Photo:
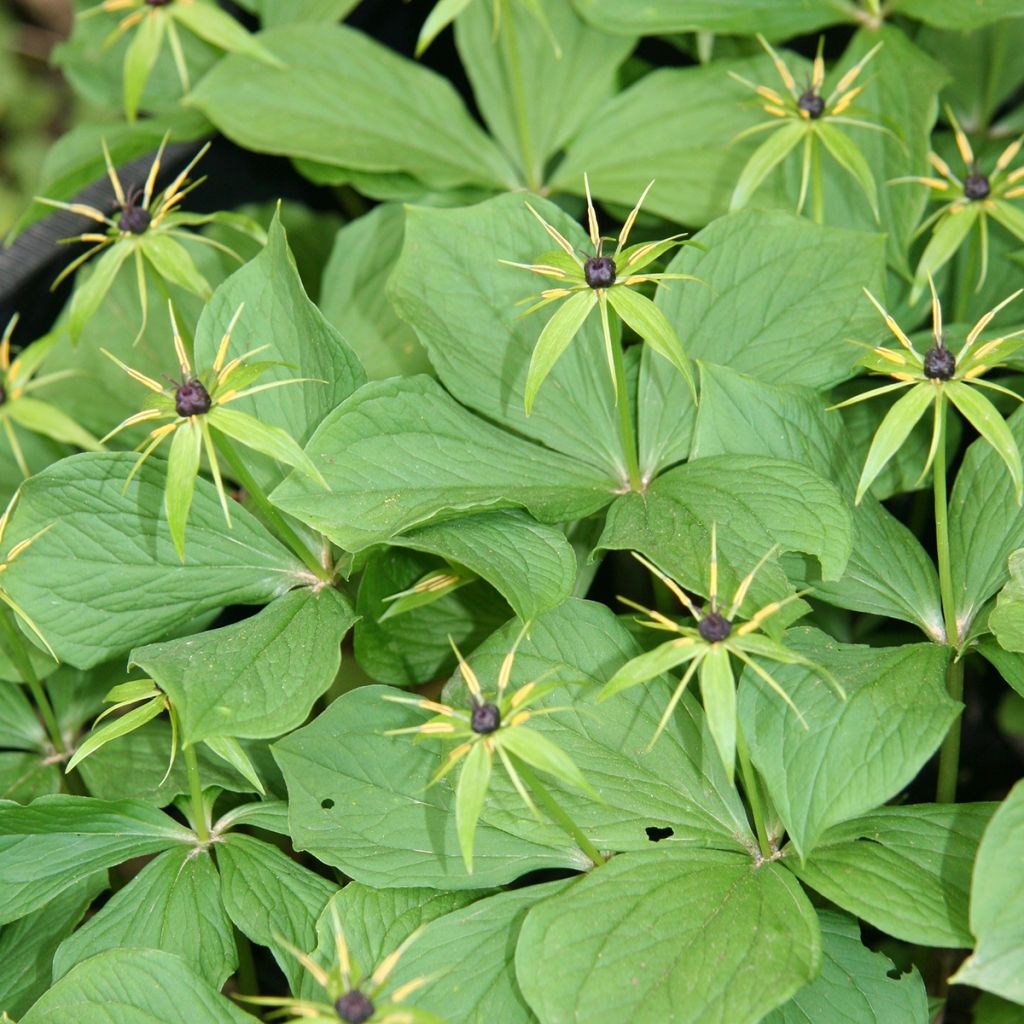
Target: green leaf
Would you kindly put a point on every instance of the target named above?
(988, 421)
(479, 343)
(997, 922)
(663, 913)
(718, 693)
(1006, 620)
(244, 680)
(644, 317)
(855, 986)
(399, 453)
(209, 22)
(172, 904)
(182, 470)
(301, 343)
(233, 753)
(271, 897)
(364, 254)
(283, 12)
(27, 945)
(25, 775)
(89, 295)
(271, 441)
(171, 260)
(443, 14)
(105, 577)
(54, 842)
(899, 421)
(768, 155)
(532, 566)
(541, 753)
(140, 57)
(854, 754)
(20, 727)
(134, 986)
(375, 111)
(848, 155)
(566, 58)
(43, 418)
(120, 726)
(652, 663)
(554, 339)
(946, 239)
(359, 799)
(470, 795)
(951, 14)
(905, 870)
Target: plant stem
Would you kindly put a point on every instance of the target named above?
(753, 791)
(195, 788)
(817, 184)
(19, 654)
(949, 757)
(273, 517)
(626, 433)
(557, 813)
(246, 974)
(515, 69)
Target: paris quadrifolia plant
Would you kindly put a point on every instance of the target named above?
(808, 117)
(20, 408)
(149, 228)
(155, 21)
(350, 996)
(497, 726)
(967, 203)
(193, 411)
(705, 649)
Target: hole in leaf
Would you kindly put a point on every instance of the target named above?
(327, 804)
(894, 973)
(655, 833)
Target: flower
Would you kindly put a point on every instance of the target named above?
(933, 377)
(353, 999)
(489, 727)
(196, 405)
(149, 227)
(706, 647)
(156, 19)
(808, 117)
(597, 281)
(969, 202)
(17, 406)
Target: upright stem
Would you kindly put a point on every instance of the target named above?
(817, 184)
(195, 788)
(753, 791)
(626, 432)
(557, 814)
(271, 514)
(530, 169)
(949, 757)
(23, 663)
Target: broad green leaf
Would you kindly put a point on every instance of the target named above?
(244, 680)
(359, 799)
(988, 421)
(372, 109)
(855, 986)
(182, 470)
(985, 525)
(27, 945)
(105, 576)
(56, 841)
(25, 775)
(781, 141)
(905, 870)
(172, 904)
(532, 566)
(89, 295)
(699, 936)
(140, 57)
(279, 315)
(352, 299)
(952, 14)
(399, 453)
(684, 122)
(1006, 620)
(470, 794)
(718, 695)
(899, 421)
(777, 19)
(854, 754)
(517, 103)
(990, 1009)
(997, 905)
(270, 897)
(479, 342)
(278, 12)
(134, 986)
(20, 727)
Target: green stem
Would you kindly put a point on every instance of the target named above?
(18, 653)
(515, 68)
(949, 757)
(753, 791)
(626, 433)
(275, 519)
(248, 982)
(557, 813)
(195, 788)
(817, 184)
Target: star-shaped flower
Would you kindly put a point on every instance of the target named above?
(706, 647)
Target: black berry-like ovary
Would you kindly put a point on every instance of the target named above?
(811, 104)
(976, 186)
(485, 719)
(191, 398)
(600, 271)
(939, 363)
(714, 627)
(354, 1007)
